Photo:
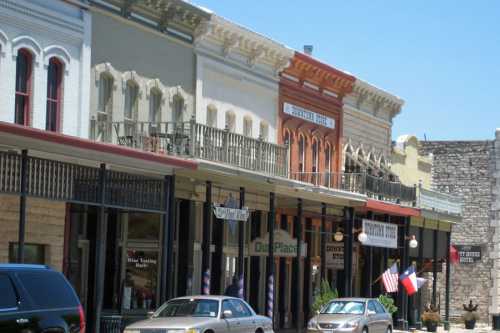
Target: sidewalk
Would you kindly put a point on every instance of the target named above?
(455, 328)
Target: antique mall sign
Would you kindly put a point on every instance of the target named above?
(468, 254)
(313, 117)
(231, 214)
(380, 234)
(335, 256)
(284, 245)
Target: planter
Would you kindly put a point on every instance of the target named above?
(470, 324)
(431, 326)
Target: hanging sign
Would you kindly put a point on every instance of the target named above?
(380, 234)
(232, 214)
(468, 254)
(335, 255)
(284, 245)
(313, 117)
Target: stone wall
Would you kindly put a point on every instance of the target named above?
(464, 169)
(44, 225)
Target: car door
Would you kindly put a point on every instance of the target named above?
(247, 320)
(385, 317)
(11, 317)
(375, 322)
(234, 322)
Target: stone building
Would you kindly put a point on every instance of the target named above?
(470, 170)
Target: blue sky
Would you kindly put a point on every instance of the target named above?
(442, 57)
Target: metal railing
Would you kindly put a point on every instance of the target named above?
(191, 139)
(363, 183)
(440, 202)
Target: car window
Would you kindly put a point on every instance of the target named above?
(189, 308)
(48, 289)
(227, 305)
(8, 300)
(344, 307)
(240, 308)
(379, 307)
(371, 306)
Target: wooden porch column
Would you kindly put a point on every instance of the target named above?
(241, 246)
(271, 217)
(348, 248)
(100, 254)
(206, 241)
(298, 260)
(166, 270)
(22, 207)
(323, 241)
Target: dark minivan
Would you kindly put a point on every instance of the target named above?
(37, 299)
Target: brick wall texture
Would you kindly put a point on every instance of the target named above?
(44, 225)
(466, 169)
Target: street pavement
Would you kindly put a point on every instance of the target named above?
(459, 329)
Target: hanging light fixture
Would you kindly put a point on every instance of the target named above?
(338, 236)
(413, 242)
(362, 237)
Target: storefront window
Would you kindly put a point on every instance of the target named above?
(143, 226)
(140, 283)
(33, 253)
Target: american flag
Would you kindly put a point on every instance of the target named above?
(390, 278)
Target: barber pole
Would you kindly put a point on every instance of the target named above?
(270, 296)
(206, 282)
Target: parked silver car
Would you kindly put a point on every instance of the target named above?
(203, 314)
(358, 315)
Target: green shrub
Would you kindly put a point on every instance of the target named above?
(388, 303)
(324, 295)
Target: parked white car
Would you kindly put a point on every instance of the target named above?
(203, 314)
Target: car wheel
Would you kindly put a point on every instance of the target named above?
(365, 330)
(388, 330)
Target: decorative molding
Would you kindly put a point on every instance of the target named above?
(110, 70)
(29, 43)
(178, 91)
(3, 40)
(235, 39)
(60, 53)
(380, 98)
(156, 84)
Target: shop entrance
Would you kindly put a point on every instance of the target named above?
(131, 279)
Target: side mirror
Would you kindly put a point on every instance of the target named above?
(371, 312)
(227, 314)
(150, 314)
(317, 312)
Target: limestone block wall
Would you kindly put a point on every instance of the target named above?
(465, 169)
(44, 225)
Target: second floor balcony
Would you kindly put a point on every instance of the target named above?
(194, 140)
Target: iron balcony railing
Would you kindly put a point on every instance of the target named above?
(363, 183)
(195, 140)
(439, 202)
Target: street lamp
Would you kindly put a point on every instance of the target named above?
(362, 237)
(413, 242)
(338, 236)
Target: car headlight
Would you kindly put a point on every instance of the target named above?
(313, 324)
(351, 324)
(189, 330)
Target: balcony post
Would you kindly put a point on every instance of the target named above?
(22, 206)
(434, 266)
(447, 283)
(241, 247)
(192, 136)
(206, 241)
(348, 242)
(298, 266)
(270, 258)
(225, 146)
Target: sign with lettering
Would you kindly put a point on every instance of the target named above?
(335, 255)
(380, 234)
(313, 117)
(468, 254)
(284, 245)
(235, 214)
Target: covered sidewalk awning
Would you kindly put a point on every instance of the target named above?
(391, 208)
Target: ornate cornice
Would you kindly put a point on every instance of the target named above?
(306, 68)
(176, 14)
(363, 91)
(235, 39)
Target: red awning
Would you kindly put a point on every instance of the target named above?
(391, 208)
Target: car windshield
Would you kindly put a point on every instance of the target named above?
(189, 308)
(344, 307)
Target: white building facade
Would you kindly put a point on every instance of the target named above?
(237, 75)
(44, 64)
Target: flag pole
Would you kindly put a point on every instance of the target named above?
(380, 276)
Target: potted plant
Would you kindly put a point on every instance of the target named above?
(388, 303)
(431, 318)
(323, 296)
(470, 316)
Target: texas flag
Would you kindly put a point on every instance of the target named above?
(409, 280)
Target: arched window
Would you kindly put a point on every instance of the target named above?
(212, 116)
(230, 121)
(178, 108)
(328, 164)
(155, 97)
(105, 95)
(24, 64)
(131, 100)
(54, 95)
(315, 148)
(247, 126)
(264, 131)
(302, 153)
